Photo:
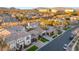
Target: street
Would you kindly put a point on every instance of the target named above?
(58, 43)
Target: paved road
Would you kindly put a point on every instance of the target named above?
(58, 43)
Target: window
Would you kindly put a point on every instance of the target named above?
(28, 41)
(27, 38)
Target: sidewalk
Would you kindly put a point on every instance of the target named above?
(48, 37)
(72, 45)
(39, 44)
(27, 48)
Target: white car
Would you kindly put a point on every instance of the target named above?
(71, 37)
(65, 47)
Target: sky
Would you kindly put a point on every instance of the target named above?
(38, 3)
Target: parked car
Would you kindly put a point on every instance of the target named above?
(65, 47)
(71, 37)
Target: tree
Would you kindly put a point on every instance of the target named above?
(67, 18)
(3, 45)
(74, 13)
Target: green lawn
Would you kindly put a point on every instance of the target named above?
(43, 39)
(33, 48)
(30, 29)
(67, 28)
(59, 32)
(51, 34)
(54, 36)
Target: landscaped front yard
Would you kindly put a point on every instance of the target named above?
(59, 32)
(68, 28)
(42, 39)
(33, 48)
(51, 34)
(30, 29)
(54, 36)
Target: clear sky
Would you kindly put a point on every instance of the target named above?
(39, 3)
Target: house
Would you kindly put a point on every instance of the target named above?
(17, 28)
(36, 33)
(74, 44)
(40, 31)
(4, 32)
(76, 32)
(3, 44)
(8, 18)
(54, 10)
(51, 30)
(74, 19)
(33, 25)
(69, 10)
(17, 40)
(16, 37)
(32, 15)
(43, 9)
(1, 20)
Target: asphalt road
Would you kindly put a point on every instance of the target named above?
(58, 43)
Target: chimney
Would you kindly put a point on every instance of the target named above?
(28, 24)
